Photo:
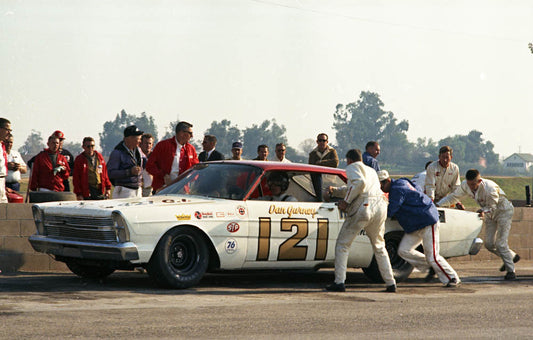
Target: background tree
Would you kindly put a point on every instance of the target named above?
(113, 131)
(32, 146)
(396, 150)
(471, 151)
(307, 145)
(74, 148)
(226, 135)
(268, 133)
(365, 120)
(171, 129)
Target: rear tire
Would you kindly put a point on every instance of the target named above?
(401, 268)
(180, 259)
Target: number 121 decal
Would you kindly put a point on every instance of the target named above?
(290, 250)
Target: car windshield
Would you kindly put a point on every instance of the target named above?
(220, 180)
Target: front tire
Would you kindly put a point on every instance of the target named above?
(400, 268)
(180, 259)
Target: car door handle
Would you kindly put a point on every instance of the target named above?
(327, 208)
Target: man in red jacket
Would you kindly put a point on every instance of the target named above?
(172, 156)
(90, 173)
(50, 168)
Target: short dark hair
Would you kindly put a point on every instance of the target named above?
(322, 134)
(147, 135)
(370, 144)
(262, 146)
(53, 137)
(182, 126)
(471, 174)
(280, 144)
(3, 122)
(211, 138)
(445, 149)
(354, 155)
(87, 139)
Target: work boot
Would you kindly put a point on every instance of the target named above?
(516, 258)
(391, 289)
(510, 276)
(430, 275)
(336, 287)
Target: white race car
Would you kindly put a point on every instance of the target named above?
(218, 216)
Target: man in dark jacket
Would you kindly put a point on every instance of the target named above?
(419, 218)
(125, 165)
(372, 150)
(210, 154)
(323, 154)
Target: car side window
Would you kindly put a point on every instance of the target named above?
(334, 181)
(301, 187)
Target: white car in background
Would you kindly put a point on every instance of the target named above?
(213, 218)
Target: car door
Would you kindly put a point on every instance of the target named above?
(292, 234)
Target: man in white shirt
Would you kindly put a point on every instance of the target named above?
(280, 150)
(147, 143)
(497, 213)
(442, 176)
(15, 165)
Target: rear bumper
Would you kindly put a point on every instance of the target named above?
(85, 250)
(476, 246)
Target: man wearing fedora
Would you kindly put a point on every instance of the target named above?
(126, 163)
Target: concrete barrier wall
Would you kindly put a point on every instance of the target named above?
(16, 253)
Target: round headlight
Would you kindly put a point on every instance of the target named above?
(38, 217)
(121, 227)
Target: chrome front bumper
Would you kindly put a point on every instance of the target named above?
(476, 246)
(85, 250)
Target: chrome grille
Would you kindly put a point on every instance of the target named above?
(80, 228)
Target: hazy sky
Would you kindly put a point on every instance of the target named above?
(446, 66)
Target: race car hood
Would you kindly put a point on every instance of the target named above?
(105, 207)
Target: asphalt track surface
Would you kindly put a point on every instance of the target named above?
(267, 305)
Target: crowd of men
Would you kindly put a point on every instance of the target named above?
(414, 205)
(136, 168)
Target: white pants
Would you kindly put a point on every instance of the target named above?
(371, 217)
(123, 192)
(429, 236)
(496, 234)
(3, 197)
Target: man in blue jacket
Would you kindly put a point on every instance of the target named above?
(419, 218)
(372, 150)
(125, 165)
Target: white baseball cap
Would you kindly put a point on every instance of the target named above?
(383, 175)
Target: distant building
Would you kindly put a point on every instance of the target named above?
(518, 161)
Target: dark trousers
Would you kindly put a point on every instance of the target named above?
(14, 186)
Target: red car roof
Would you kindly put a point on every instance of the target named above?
(269, 166)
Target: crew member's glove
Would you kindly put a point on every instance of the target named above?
(59, 169)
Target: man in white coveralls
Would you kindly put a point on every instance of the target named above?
(366, 208)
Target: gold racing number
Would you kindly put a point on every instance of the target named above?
(290, 249)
